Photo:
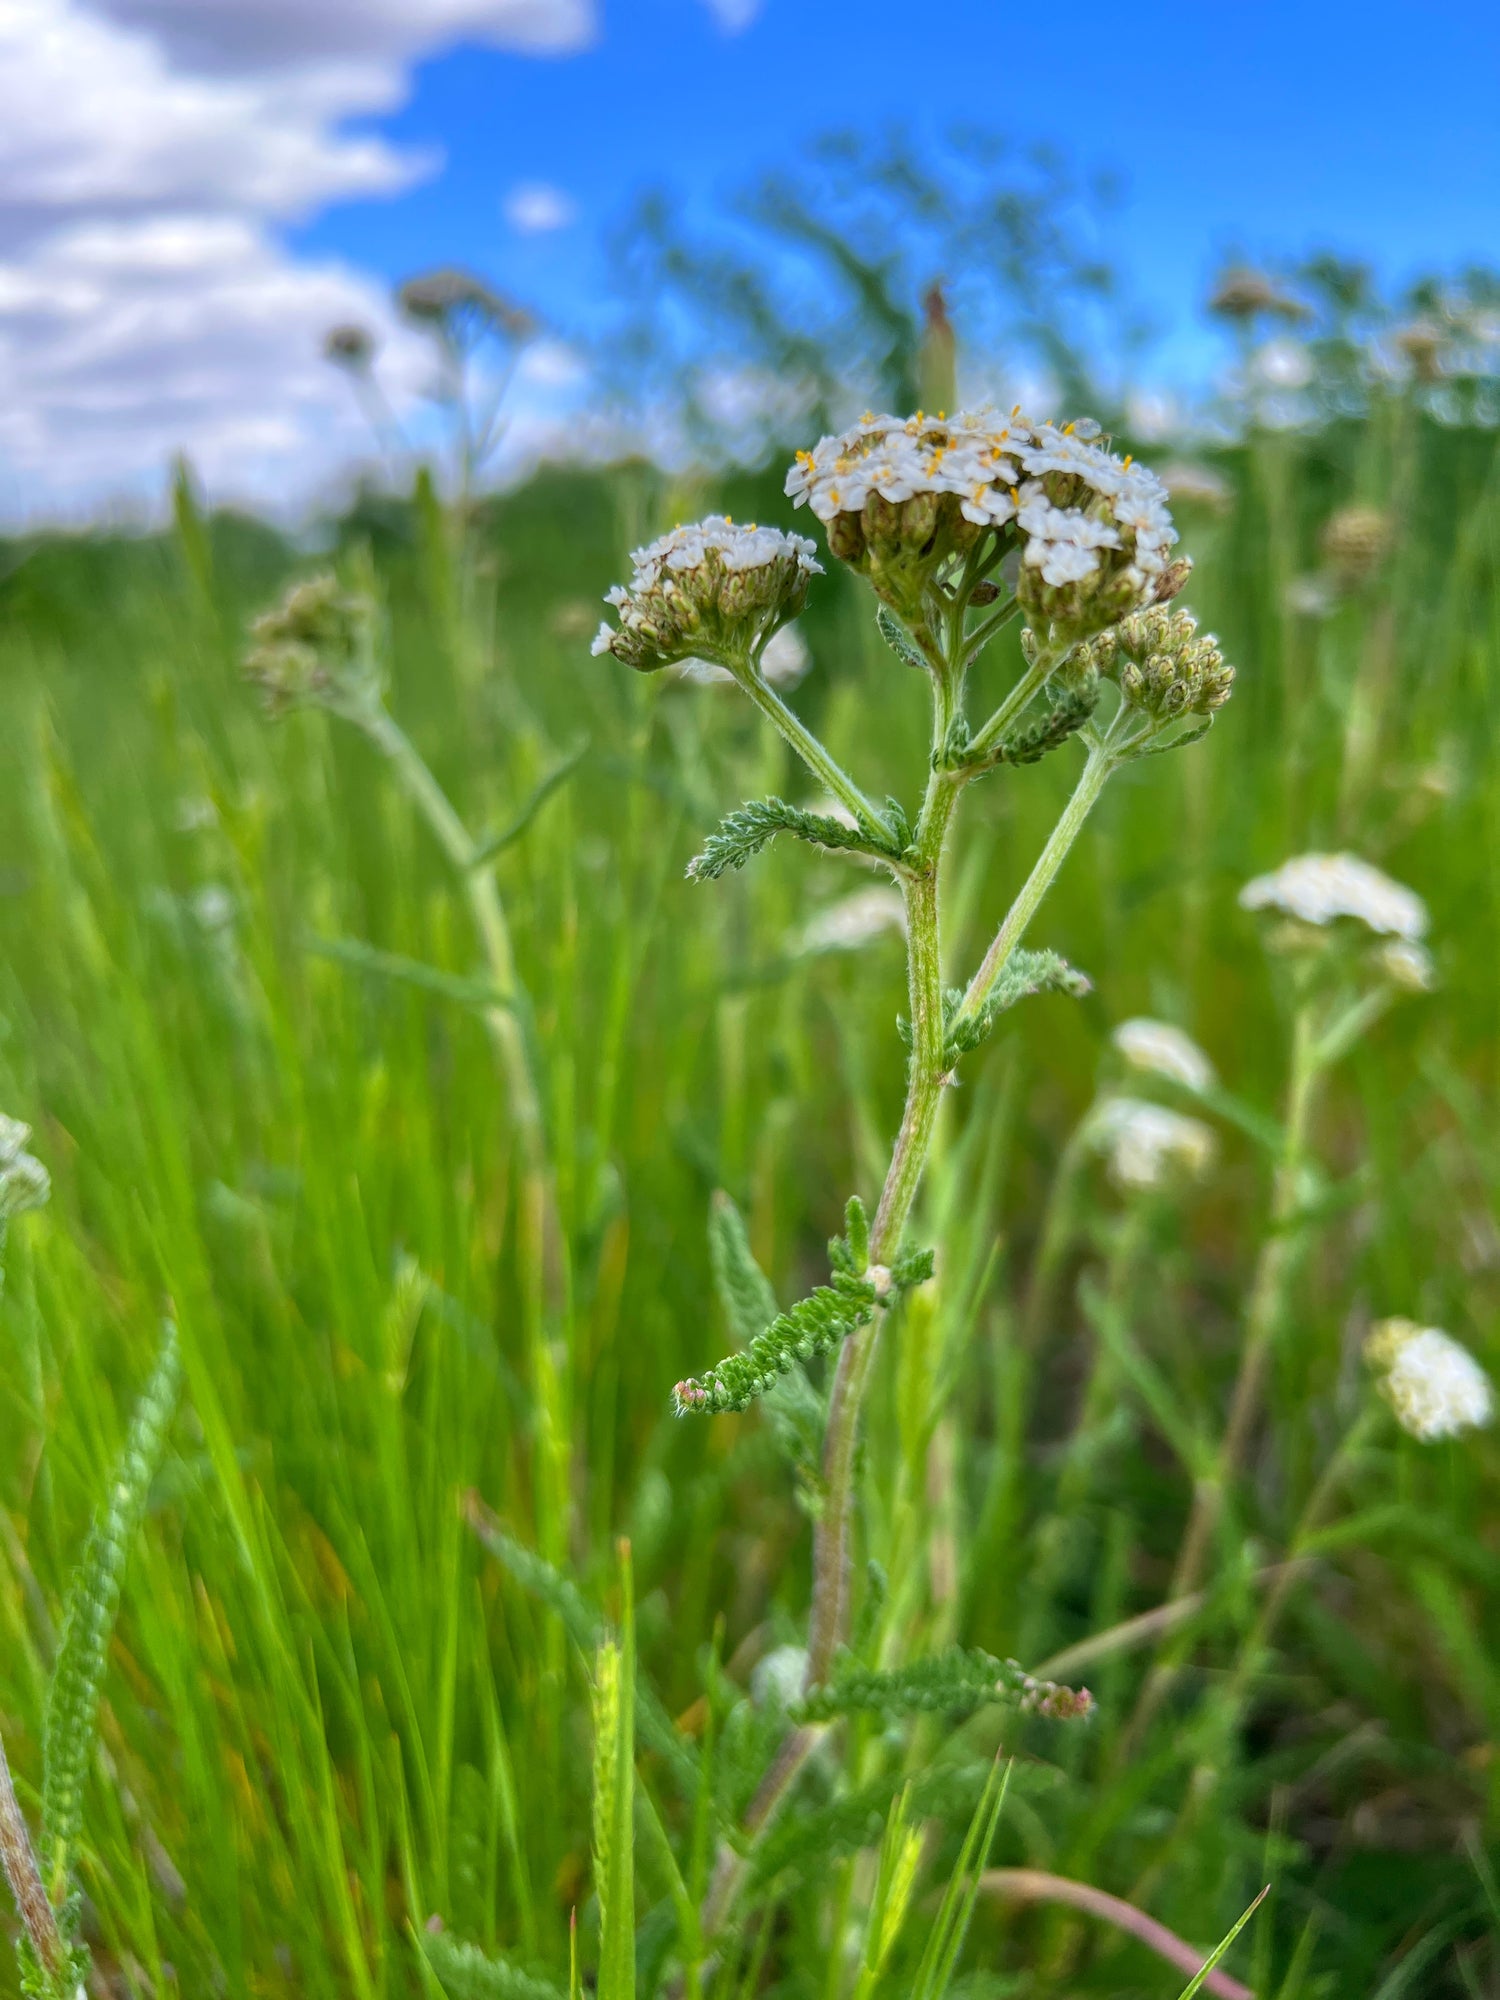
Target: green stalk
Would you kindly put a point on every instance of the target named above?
(18, 1858)
(542, 1252)
(1265, 1312)
(1095, 776)
(818, 760)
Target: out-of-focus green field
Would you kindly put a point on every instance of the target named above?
(329, 1714)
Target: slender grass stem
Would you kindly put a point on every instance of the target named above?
(18, 1858)
(1265, 1311)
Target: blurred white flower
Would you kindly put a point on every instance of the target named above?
(1436, 1387)
(854, 921)
(1319, 888)
(783, 663)
(212, 906)
(1312, 596)
(1407, 965)
(24, 1181)
(1197, 485)
(1148, 1147)
(196, 813)
(1159, 1047)
(1284, 364)
(776, 1680)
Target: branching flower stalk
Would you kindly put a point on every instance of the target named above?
(324, 646)
(1352, 938)
(926, 511)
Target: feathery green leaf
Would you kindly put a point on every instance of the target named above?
(467, 1973)
(1023, 974)
(742, 834)
(89, 1619)
(957, 1679)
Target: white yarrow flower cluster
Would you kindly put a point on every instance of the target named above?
(1321, 888)
(1158, 1047)
(1072, 501)
(1436, 1388)
(714, 587)
(1148, 1148)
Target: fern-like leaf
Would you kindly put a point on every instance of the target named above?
(467, 1973)
(815, 1325)
(795, 1409)
(900, 641)
(1023, 974)
(741, 835)
(1030, 741)
(88, 1620)
(956, 1679)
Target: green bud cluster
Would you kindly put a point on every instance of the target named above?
(1163, 664)
(316, 648)
(899, 546)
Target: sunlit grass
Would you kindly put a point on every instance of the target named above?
(330, 1714)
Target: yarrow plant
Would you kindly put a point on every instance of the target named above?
(958, 525)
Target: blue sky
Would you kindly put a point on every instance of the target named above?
(193, 191)
(1272, 127)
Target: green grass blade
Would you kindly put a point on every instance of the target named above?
(1221, 1947)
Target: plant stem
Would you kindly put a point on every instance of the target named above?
(1096, 774)
(1263, 1317)
(808, 748)
(1021, 695)
(18, 1858)
(542, 1249)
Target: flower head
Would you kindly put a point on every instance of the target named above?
(316, 648)
(852, 922)
(461, 306)
(1436, 1387)
(900, 497)
(1356, 541)
(712, 591)
(349, 346)
(1165, 666)
(24, 1182)
(1243, 294)
(1322, 888)
(1163, 1050)
(1148, 1147)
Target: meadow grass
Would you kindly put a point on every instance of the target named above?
(331, 1713)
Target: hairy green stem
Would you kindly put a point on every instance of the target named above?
(18, 1858)
(1096, 774)
(818, 760)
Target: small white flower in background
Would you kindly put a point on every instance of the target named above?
(783, 663)
(1407, 965)
(1312, 596)
(1284, 364)
(212, 906)
(1159, 1047)
(776, 1680)
(24, 1181)
(196, 813)
(1436, 1387)
(856, 920)
(1319, 888)
(1197, 486)
(1148, 1147)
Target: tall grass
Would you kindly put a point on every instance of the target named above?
(331, 1714)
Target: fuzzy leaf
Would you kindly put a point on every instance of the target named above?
(89, 1618)
(743, 833)
(794, 1408)
(900, 641)
(956, 1679)
(1029, 742)
(1024, 973)
(467, 1973)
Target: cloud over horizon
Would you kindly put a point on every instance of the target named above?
(150, 153)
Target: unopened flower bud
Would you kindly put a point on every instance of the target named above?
(1165, 666)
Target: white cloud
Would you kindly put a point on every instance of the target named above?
(149, 152)
(535, 207)
(733, 16)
